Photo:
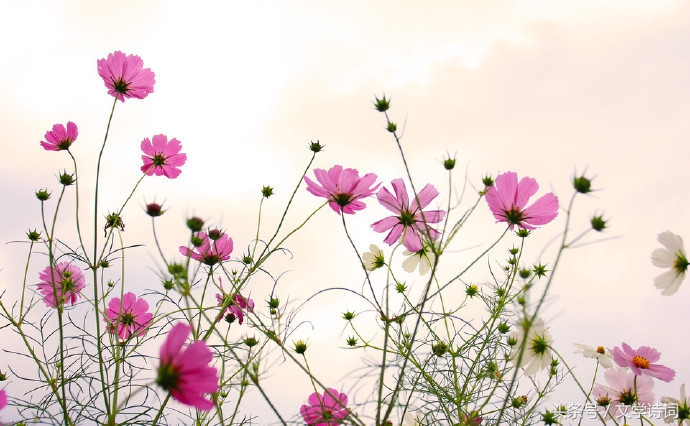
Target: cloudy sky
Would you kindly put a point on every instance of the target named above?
(545, 89)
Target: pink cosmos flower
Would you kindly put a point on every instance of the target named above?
(162, 157)
(408, 221)
(342, 188)
(130, 316)
(125, 76)
(185, 372)
(3, 399)
(325, 410)
(624, 391)
(507, 200)
(60, 137)
(641, 361)
(236, 308)
(68, 280)
(210, 253)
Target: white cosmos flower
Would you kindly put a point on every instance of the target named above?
(537, 355)
(672, 256)
(413, 418)
(422, 259)
(600, 353)
(373, 259)
(682, 415)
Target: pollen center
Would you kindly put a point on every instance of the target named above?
(601, 350)
(640, 361)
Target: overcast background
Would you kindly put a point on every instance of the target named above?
(545, 89)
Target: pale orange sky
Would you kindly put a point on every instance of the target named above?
(537, 87)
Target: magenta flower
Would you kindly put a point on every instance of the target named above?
(162, 157)
(3, 399)
(507, 199)
(342, 188)
(186, 373)
(60, 137)
(68, 281)
(125, 77)
(236, 308)
(624, 391)
(408, 222)
(641, 361)
(209, 252)
(325, 410)
(127, 317)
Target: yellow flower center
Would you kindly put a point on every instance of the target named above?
(640, 361)
(601, 350)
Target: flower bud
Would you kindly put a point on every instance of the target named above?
(348, 316)
(449, 163)
(66, 179)
(195, 224)
(315, 146)
(33, 235)
(471, 290)
(214, 234)
(391, 127)
(439, 348)
(300, 347)
(582, 184)
(154, 209)
(251, 341)
(42, 194)
(382, 104)
(488, 181)
(351, 341)
(598, 223)
(267, 191)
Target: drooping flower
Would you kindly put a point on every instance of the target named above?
(373, 259)
(641, 361)
(409, 221)
(236, 308)
(128, 316)
(68, 280)
(600, 353)
(422, 259)
(60, 137)
(162, 157)
(185, 372)
(343, 188)
(507, 200)
(682, 405)
(672, 256)
(125, 76)
(537, 353)
(209, 252)
(325, 410)
(624, 391)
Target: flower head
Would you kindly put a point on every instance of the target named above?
(537, 353)
(125, 76)
(624, 390)
(128, 316)
(209, 252)
(325, 410)
(672, 256)
(60, 137)
(343, 188)
(236, 308)
(422, 259)
(600, 353)
(409, 221)
(507, 200)
(60, 284)
(185, 372)
(162, 157)
(3, 399)
(641, 361)
(373, 259)
(682, 414)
